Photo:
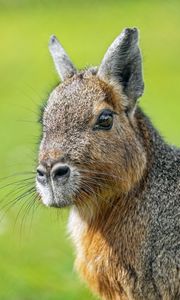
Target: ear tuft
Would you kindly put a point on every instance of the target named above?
(122, 63)
(63, 64)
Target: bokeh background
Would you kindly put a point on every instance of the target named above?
(36, 256)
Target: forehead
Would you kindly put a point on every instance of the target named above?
(76, 100)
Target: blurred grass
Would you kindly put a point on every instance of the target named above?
(37, 263)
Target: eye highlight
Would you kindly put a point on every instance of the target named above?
(104, 121)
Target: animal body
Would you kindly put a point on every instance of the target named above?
(101, 155)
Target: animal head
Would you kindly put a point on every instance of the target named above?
(90, 148)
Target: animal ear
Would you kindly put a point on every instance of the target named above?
(63, 64)
(122, 63)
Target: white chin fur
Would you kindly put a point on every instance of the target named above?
(46, 195)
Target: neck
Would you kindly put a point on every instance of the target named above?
(150, 137)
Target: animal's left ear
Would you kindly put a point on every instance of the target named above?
(63, 64)
(122, 64)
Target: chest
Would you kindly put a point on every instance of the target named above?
(98, 263)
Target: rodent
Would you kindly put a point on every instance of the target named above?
(101, 155)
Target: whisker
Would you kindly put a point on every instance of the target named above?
(88, 191)
(16, 182)
(14, 192)
(23, 204)
(25, 209)
(86, 171)
(12, 202)
(17, 174)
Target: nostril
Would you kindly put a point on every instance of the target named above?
(60, 171)
(41, 174)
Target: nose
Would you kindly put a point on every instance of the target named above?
(58, 172)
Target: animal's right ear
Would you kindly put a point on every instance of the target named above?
(122, 64)
(63, 64)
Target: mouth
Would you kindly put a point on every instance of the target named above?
(55, 196)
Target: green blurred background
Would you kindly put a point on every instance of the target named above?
(36, 256)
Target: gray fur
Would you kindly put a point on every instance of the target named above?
(143, 242)
(62, 62)
(122, 63)
(158, 272)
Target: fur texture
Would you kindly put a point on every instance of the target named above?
(124, 184)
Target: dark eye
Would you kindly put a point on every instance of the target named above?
(104, 121)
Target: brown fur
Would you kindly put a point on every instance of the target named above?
(113, 236)
(126, 169)
(124, 183)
